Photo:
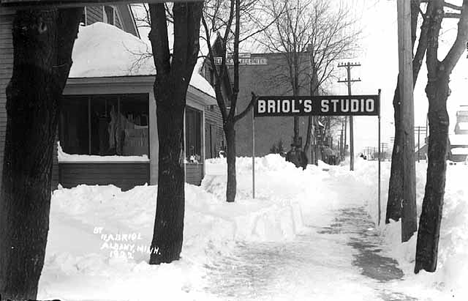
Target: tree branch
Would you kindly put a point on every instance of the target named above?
(252, 102)
(458, 46)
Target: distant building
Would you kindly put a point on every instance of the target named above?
(459, 141)
(268, 78)
(461, 127)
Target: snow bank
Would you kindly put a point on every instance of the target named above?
(64, 157)
(99, 236)
(452, 267)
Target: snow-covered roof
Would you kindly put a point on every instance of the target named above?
(459, 151)
(463, 126)
(103, 50)
(458, 139)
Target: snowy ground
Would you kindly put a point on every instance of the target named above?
(308, 235)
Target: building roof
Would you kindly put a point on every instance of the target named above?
(463, 126)
(456, 140)
(103, 50)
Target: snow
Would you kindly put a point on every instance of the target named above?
(463, 126)
(103, 50)
(458, 139)
(99, 238)
(65, 157)
(459, 151)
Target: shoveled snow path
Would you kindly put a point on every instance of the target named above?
(339, 260)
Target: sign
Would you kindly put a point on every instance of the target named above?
(242, 61)
(77, 3)
(365, 105)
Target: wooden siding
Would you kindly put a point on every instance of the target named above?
(94, 14)
(193, 173)
(124, 175)
(118, 22)
(216, 142)
(6, 69)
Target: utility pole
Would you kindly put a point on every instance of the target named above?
(419, 129)
(348, 81)
(405, 58)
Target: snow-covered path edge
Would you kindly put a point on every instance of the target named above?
(79, 266)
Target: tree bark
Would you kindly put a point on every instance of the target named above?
(43, 43)
(170, 90)
(231, 188)
(437, 91)
(431, 215)
(395, 188)
(167, 240)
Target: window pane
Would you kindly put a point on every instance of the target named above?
(109, 125)
(101, 115)
(193, 135)
(134, 120)
(74, 136)
(109, 10)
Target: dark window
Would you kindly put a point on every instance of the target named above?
(193, 135)
(109, 15)
(105, 125)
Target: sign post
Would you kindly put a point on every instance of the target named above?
(379, 171)
(253, 155)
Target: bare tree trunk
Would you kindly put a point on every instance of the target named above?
(43, 43)
(395, 188)
(437, 91)
(170, 89)
(431, 215)
(169, 223)
(231, 161)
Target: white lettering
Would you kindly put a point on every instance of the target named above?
(325, 106)
(261, 106)
(294, 109)
(369, 105)
(335, 102)
(271, 106)
(286, 106)
(307, 105)
(344, 106)
(354, 105)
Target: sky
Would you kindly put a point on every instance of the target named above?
(379, 70)
(378, 56)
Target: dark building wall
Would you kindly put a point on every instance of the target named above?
(271, 79)
(123, 175)
(6, 69)
(193, 173)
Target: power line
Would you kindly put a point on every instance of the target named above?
(349, 81)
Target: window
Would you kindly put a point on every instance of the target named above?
(109, 15)
(105, 125)
(193, 135)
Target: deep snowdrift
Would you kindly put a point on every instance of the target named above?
(99, 236)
